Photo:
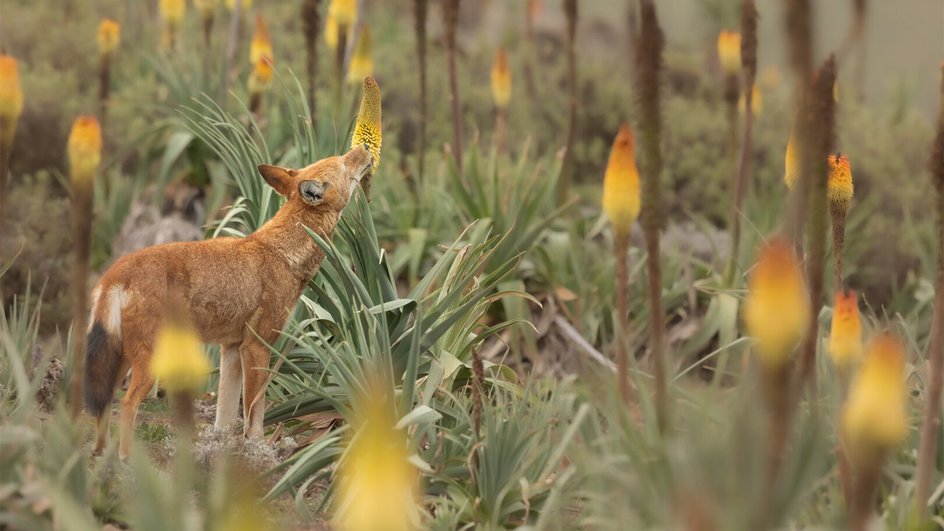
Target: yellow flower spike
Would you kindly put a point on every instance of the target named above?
(368, 128)
(757, 101)
(777, 309)
(206, 7)
(344, 12)
(109, 34)
(377, 484)
(11, 98)
(790, 163)
(172, 11)
(770, 78)
(874, 415)
(85, 149)
(261, 44)
(331, 32)
(840, 188)
(845, 335)
(501, 79)
(729, 51)
(246, 5)
(261, 77)
(621, 201)
(178, 361)
(362, 62)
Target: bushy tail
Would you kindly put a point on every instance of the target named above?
(102, 361)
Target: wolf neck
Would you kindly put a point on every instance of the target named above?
(286, 237)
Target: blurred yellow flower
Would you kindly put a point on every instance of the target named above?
(770, 77)
(501, 79)
(368, 128)
(261, 77)
(845, 335)
(729, 51)
(206, 7)
(777, 309)
(172, 11)
(874, 415)
(790, 164)
(109, 34)
(344, 12)
(362, 62)
(377, 484)
(261, 45)
(11, 98)
(178, 361)
(840, 189)
(331, 32)
(245, 4)
(621, 201)
(757, 101)
(85, 149)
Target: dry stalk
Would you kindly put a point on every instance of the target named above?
(81, 241)
(233, 43)
(566, 175)
(648, 75)
(800, 43)
(931, 426)
(419, 27)
(749, 68)
(310, 24)
(451, 20)
(819, 124)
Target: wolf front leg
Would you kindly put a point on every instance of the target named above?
(254, 355)
(231, 381)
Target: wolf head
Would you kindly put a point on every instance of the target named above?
(325, 185)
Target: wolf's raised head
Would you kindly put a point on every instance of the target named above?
(325, 185)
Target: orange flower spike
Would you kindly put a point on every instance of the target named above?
(362, 62)
(777, 308)
(331, 32)
(841, 188)
(85, 149)
(11, 98)
(757, 101)
(172, 11)
(790, 163)
(245, 5)
(501, 79)
(621, 201)
(377, 484)
(874, 417)
(109, 34)
(845, 336)
(344, 12)
(206, 7)
(261, 77)
(261, 44)
(729, 51)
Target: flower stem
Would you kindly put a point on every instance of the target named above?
(621, 248)
(648, 73)
(749, 66)
(419, 21)
(81, 241)
(566, 174)
(451, 14)
(932, 408)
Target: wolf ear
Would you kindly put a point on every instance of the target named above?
(278, 178)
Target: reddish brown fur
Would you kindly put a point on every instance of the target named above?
(238, 293)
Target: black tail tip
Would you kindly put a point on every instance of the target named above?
(102, 359)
